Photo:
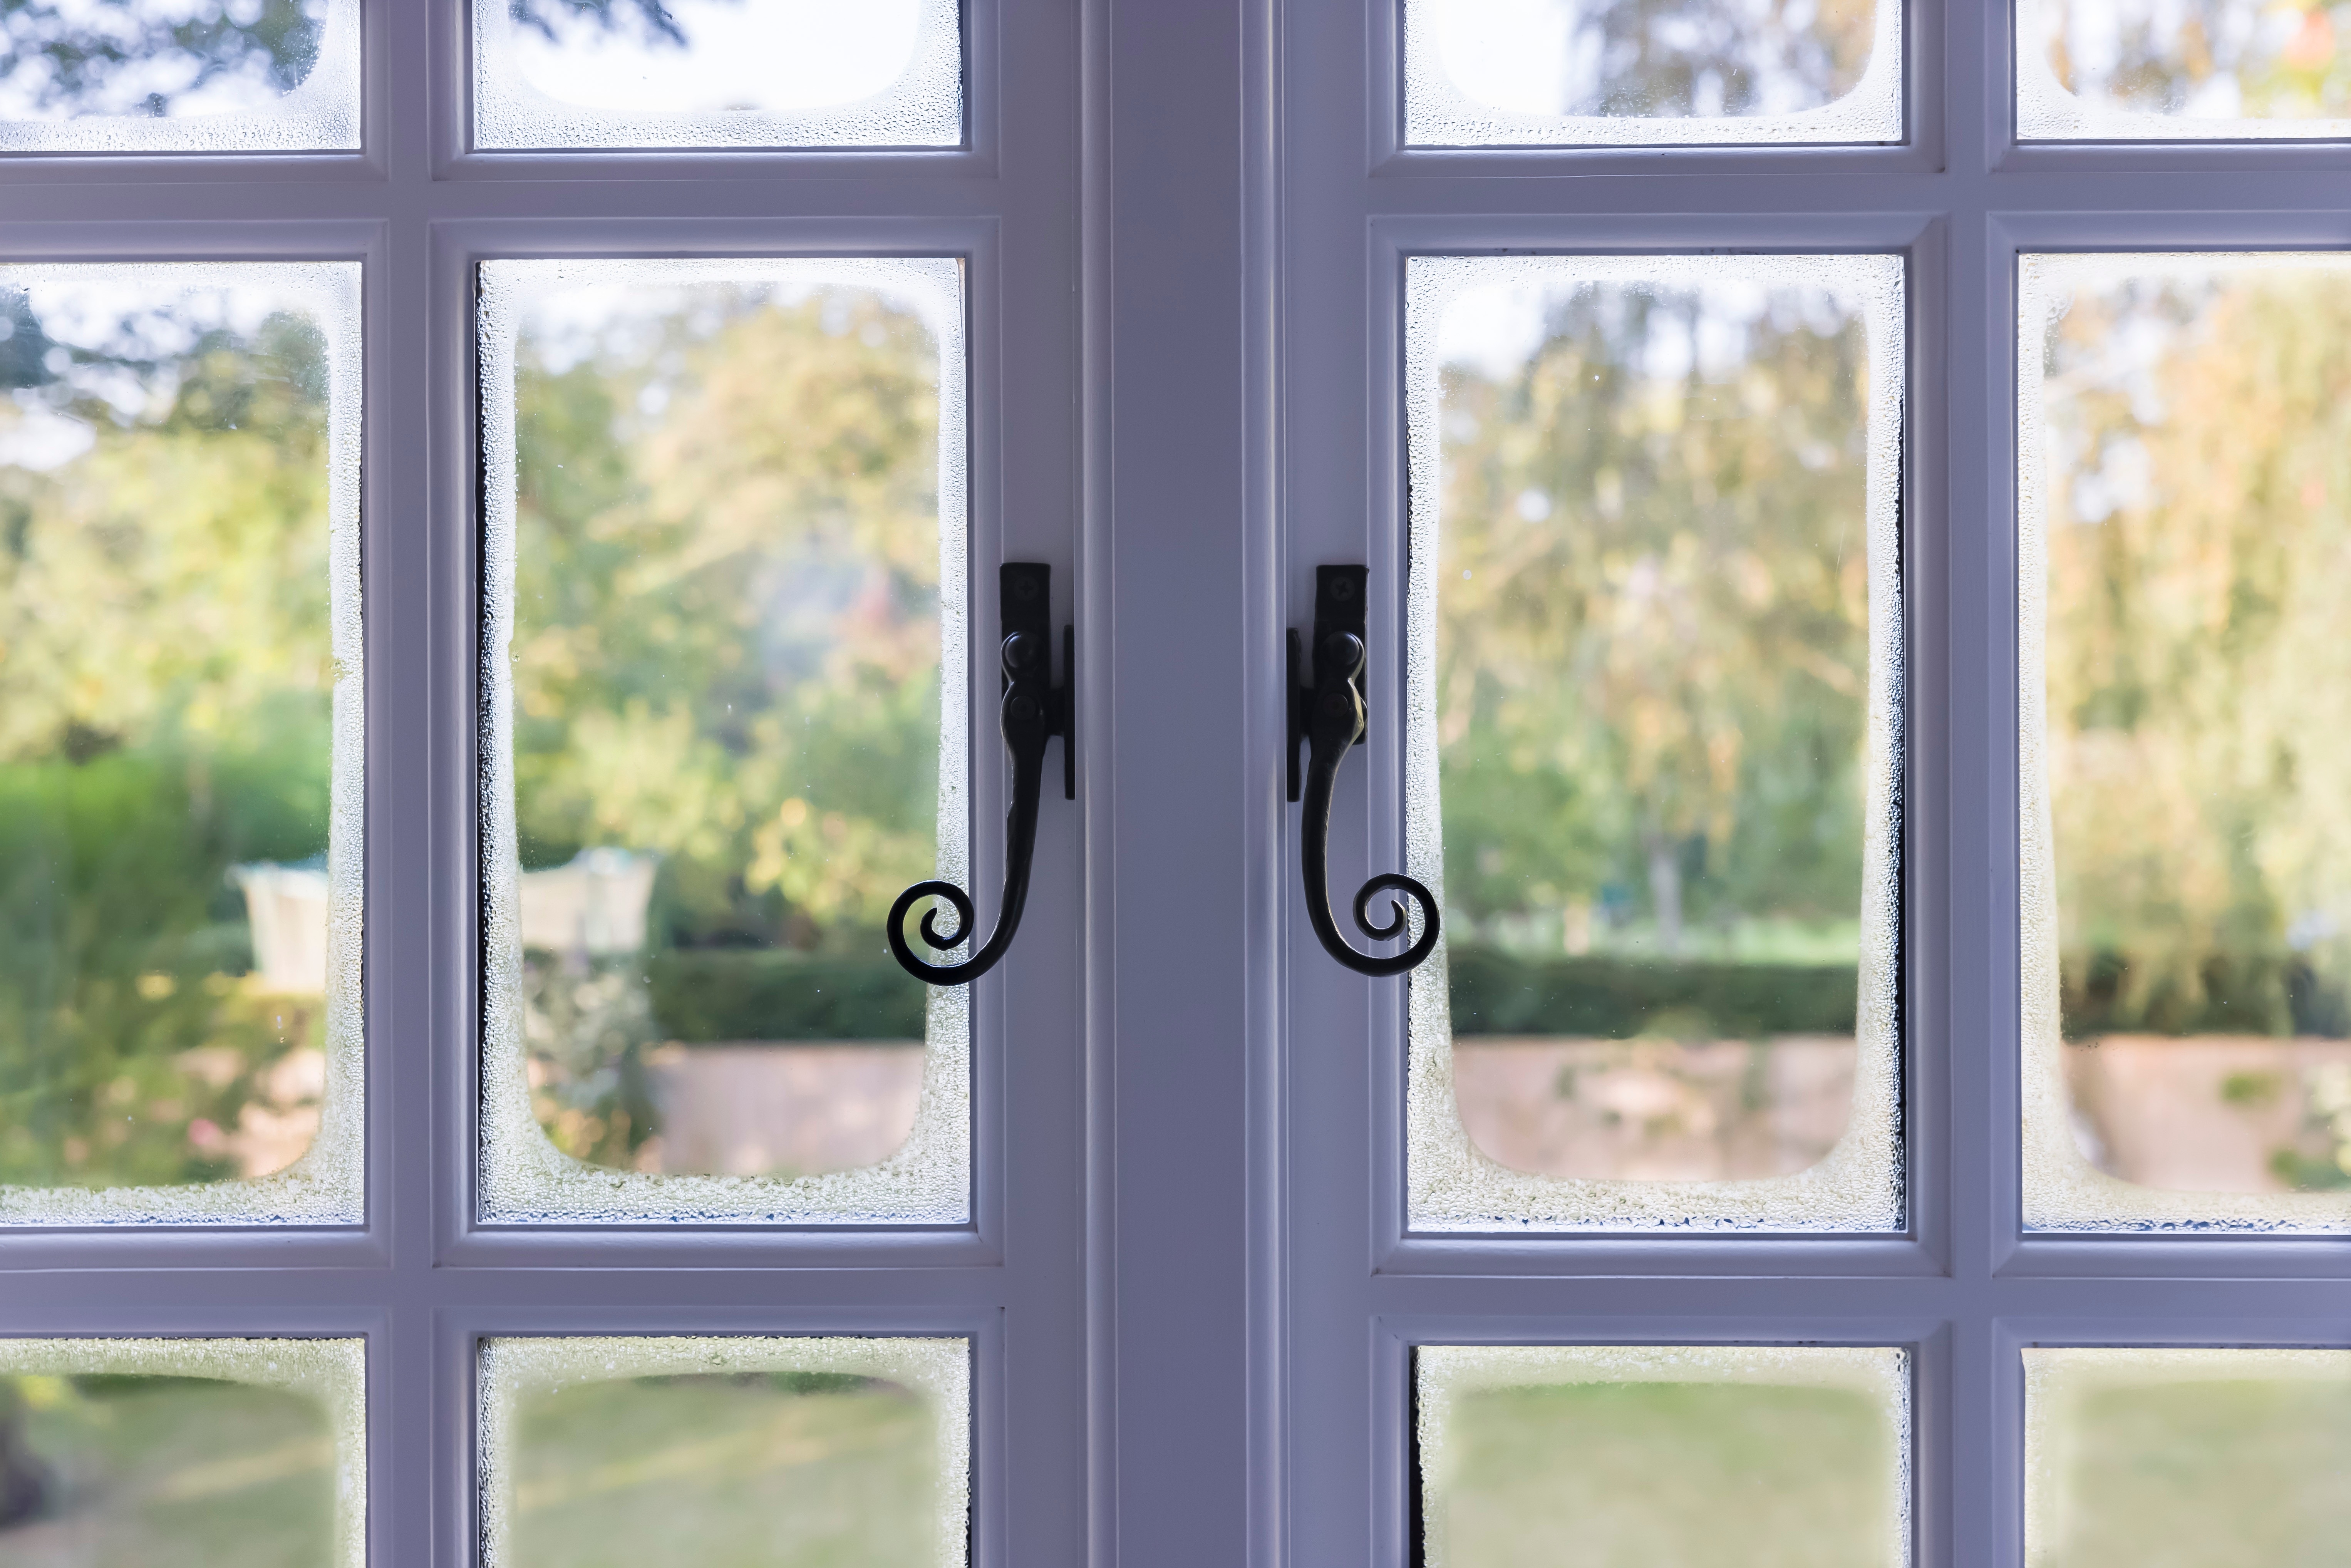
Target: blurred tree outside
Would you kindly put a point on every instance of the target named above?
(726, 645)
(165, 702)
(59, 58)
(1658, 58)
(2217, 57)
(2199, 751)
(1652, 629)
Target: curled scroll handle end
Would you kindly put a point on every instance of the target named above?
(1329, 716)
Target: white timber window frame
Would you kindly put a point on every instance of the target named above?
(420, 1279)
(1187, 1279)
(1964, 1287)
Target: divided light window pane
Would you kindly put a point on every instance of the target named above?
(182, 744)
(2154, 1456)
(1653, 740)
(2179, 70)
(556, 74)
(725, 1451)
(2184, 529)
(1620, 73)
(169, 1451)
(179, 75)
(723, 724)
(1733, 1456)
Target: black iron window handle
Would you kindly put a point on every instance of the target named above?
(1328, 717)
(1033, 711)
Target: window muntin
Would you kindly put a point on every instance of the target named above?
(2181, 71)
(1608, 73)
(749, 652)
(235, 1449)
(2185, 875)
(1798, 360)
(1722, 1454)
(181, 76)
(560, 74)
(717, 1450)
(2162, 1454)
(181, 866)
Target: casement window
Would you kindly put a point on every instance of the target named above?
(535, 543)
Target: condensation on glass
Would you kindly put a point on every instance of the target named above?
(181, 745)
(181, 76)
(725, 1450)
(724, 723)
(1623, 73)
(1736, 1456)
(2184, 743)
(2146, 1456)
(183, 1450)
(2182, 71)
(557, 74)
(1653, 741)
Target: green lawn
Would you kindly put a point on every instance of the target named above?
(2210, 1475)
(1664, 1475)
(725, 1472)
(172, 1473)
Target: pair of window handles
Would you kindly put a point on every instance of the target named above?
(1326, 717)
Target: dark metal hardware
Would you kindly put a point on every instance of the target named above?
(1033, 711)
(1328, 718)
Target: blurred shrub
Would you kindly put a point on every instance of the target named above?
(1616, 998)
(2240, 992)
(752, 994)
(119, 939)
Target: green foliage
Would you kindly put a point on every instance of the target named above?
(2199, 749)
(751, 995)
(823, 1383)
(727, 637)
(2226, 992)
(1495, 992)
(1654, 617)
(173, 723)
(119, 938)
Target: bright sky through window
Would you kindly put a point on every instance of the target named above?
(734, 55)
(717, 73)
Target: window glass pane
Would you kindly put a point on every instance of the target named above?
(1654, 645)
(181, 744)
(184, 1451)
(179, 75)
(2157, 1457)
(609, 1453)
(2175, 70)
(723, 670)
(1631, 1456)
(717, 73)
(2185, 554)
(1618, 73)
